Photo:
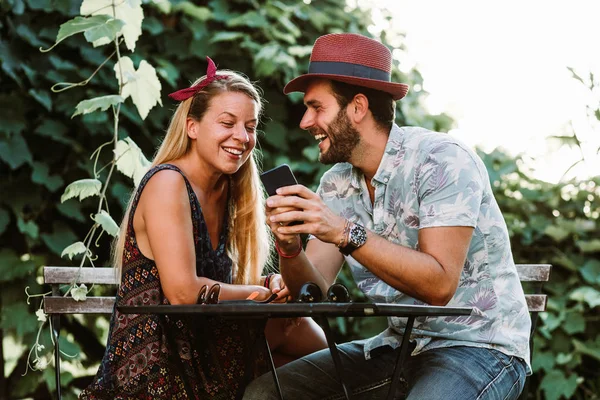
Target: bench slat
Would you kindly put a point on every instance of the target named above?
(534, 272)
(106, 276)
(536, 302)
(67, 305)
(104, 305)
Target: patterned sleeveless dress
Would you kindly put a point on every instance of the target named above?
(171, 357)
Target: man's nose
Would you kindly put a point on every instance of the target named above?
(307, 120)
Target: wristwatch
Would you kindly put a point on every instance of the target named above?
(356, 238)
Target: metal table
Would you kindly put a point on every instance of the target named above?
(320, 312)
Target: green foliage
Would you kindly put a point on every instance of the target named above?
(43, 149)
(557, 224)
(101, 103)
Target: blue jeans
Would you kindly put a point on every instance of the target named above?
(449, 373)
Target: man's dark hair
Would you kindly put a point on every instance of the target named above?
(381, 104)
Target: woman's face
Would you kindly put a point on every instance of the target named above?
(226, 134)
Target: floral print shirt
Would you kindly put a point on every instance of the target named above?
(428, 179)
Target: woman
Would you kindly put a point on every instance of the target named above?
(205, 168)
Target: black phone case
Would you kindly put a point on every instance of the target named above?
(277, 177)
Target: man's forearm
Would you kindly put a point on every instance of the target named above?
(299, 270)
(415, 273)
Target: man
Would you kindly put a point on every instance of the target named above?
(412, 213)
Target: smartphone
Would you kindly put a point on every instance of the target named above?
(278, 177)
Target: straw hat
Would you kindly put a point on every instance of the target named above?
(353, 59)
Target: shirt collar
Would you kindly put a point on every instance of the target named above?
(383, 171)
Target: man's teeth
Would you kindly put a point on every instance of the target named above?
(321, 137)
(233, 151)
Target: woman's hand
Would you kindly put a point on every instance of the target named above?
(277, 285)
(262, 293)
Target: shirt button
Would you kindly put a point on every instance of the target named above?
(386, 180)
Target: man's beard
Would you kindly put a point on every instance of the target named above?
(343, 139)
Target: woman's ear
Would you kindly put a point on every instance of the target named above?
(359, 106)
(191, 127)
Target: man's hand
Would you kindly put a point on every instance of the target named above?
(298, 203)
(288, 243)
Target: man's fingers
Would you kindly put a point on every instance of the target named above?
(288, 217)
(279, 204)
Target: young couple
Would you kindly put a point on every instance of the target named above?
(411, 211)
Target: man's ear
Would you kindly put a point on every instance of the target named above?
(358, 108)
(191, 127)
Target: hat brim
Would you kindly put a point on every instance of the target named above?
(299, 84)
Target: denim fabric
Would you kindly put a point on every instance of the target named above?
(447, 373)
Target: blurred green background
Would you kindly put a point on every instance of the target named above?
(43, 149)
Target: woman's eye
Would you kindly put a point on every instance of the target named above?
(251, 129)
(228, 124)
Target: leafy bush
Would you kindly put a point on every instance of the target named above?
(557, 224)
(44, 147)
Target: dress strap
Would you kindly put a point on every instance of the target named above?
(146, 178)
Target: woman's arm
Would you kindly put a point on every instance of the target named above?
(164, 231)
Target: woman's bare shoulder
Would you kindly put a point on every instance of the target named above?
(165, 187)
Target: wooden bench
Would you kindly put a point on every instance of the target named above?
(534, 275)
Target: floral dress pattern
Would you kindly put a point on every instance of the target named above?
(429, 179)
(170, 357)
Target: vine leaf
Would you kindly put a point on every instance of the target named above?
(142, 85)
(227, 37)
(556, 385)
(589, 246)
(130, 12)
(131, 161)
(29, 228)
(79, 293)
(74, 249)
(41, 174)
(202, 14)
(105, 33)
(586, 294)
(79, 25)
(102, 103)
(588, 348)
(82, 188)
(107, 223)
(41, 316)
(15, 152)
(13, 266)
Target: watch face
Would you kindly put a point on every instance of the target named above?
(358, 235)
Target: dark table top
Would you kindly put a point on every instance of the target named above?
(281, 310)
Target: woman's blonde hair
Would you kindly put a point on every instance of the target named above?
(249, 241)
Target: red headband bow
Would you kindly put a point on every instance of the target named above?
(211, 75)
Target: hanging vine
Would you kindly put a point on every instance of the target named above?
(102, 22)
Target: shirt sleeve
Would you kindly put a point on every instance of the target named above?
(449, 185)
